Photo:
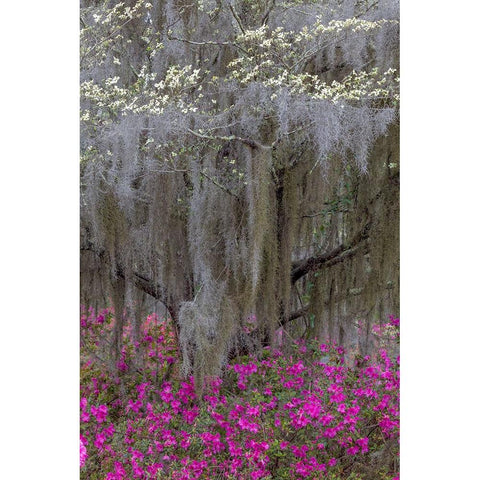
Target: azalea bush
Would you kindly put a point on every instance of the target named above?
(299, 413)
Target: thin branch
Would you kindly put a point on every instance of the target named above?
(312, 215)
(365, 11)
(235, 15)
(303, 309)
(291, 132)
(105, 39)
(208, 42)
(247, 141)
(267, 13)
(219, 185)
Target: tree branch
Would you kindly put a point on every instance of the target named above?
(103, 40)
(267, 13)
(219, 185)
(236, 17)
(337, 255)
(209, 42)
(142, 282)
(301, 312)
(294, 315)
(247, 141)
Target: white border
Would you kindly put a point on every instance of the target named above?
(39, 248)
(439, 237)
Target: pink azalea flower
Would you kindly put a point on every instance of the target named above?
(83, 453)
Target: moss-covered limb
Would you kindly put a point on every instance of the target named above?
(140, 280)
(338, 254)
(294, 315)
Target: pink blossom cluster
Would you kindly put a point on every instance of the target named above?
(301, 415)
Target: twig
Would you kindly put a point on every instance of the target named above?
(247, 141)
(208, 42)
(105, 39)
(219, 185)
(237, 18)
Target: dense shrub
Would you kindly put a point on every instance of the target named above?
(301, 415)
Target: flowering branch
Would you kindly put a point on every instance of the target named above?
(247, 141)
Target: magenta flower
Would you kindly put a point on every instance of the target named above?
(363, 444)
(253, 411)
(244, 424)
(394, 321)
(352, 450)
(190, 415)
(100, 412)
(313, 408)
(83, 453)
(99, 441)
(332, 462)
(296, 369)
(326, 419)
